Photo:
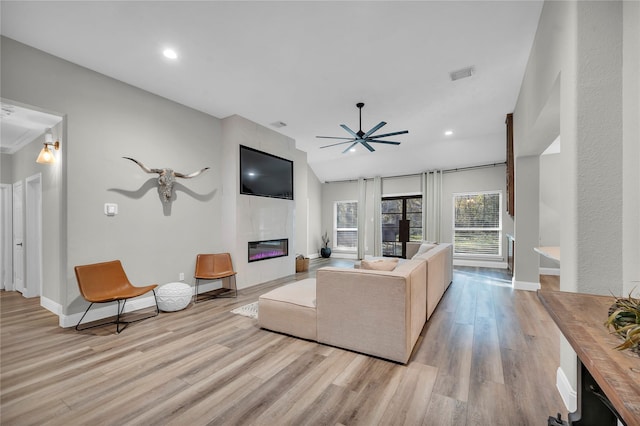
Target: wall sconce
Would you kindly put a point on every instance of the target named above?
(46, 156)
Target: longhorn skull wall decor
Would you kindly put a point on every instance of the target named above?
(166, 178)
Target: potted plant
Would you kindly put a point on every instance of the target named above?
(624, 318)
(326, 250)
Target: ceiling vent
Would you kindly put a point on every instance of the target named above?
(463, 73)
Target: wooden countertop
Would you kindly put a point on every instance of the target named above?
(580, 318)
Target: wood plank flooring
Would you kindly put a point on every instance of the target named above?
(488, 356)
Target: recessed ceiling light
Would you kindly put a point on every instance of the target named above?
(448, 132)
(352, 150)
(170, 53)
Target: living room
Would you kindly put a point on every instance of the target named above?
(585, 90)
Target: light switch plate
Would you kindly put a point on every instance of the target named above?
(110, 209)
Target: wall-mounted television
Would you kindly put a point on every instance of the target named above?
(265, 175)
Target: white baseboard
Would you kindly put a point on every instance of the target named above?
(344, 255)
(567, 393)
(100, 311)
(550, 271)
(480, 263)
(524, 285)
(313, 256)
(50, 305)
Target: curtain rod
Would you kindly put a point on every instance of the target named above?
(459, 169)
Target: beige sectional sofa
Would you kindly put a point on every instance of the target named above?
(380, 313)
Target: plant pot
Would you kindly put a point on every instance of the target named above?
(325, 252)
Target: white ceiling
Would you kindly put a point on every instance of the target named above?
(19, 126)
(308, 63)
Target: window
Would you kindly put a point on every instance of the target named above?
(477, 228)
(401, 222)
(345, 235)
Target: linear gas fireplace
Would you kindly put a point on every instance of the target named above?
(269, 249)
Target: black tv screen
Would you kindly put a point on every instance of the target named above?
(265, 175)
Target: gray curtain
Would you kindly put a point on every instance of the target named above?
(377, 216)
(431, 205)
(362, 216)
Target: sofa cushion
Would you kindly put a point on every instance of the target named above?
(290, 309)
(424, 247)
(380, 264)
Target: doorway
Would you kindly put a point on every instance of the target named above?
(27, 189)
(401, 223)
(18, 237)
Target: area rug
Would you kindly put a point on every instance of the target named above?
(250, 310)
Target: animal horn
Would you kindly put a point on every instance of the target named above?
(194, 174)
(142, 166)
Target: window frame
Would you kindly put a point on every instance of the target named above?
(335, 245)
(499, 229)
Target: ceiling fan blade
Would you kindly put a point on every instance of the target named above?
(366, 145)
(339, 143)
(402, 132)
(332, 137)
(350, 146)
(375, 129)
(387, 142)
(351, 132)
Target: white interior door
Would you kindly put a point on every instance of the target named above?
(6, 237)
(18, 237)
(33, 246)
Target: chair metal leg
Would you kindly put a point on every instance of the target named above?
(83, 315)
(120, 311)
(233, 288)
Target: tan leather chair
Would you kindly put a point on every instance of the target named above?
(107, 282)
(216, 267)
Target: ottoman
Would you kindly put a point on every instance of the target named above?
(290, 309)
(173, 296)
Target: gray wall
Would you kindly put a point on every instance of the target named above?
(106, 120)
(6, 168)
(550, 202)
(476, 180)
(314, 229)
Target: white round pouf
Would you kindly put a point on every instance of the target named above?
(173, 296)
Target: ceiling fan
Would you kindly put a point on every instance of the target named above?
(361, 137)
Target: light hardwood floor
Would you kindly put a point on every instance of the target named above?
(488, 356)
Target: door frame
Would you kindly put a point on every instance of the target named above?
(33, 235)
(6, 237)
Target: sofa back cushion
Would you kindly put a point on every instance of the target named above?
(380, 264)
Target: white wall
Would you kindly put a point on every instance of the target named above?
(251, 218)
(582, 82)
